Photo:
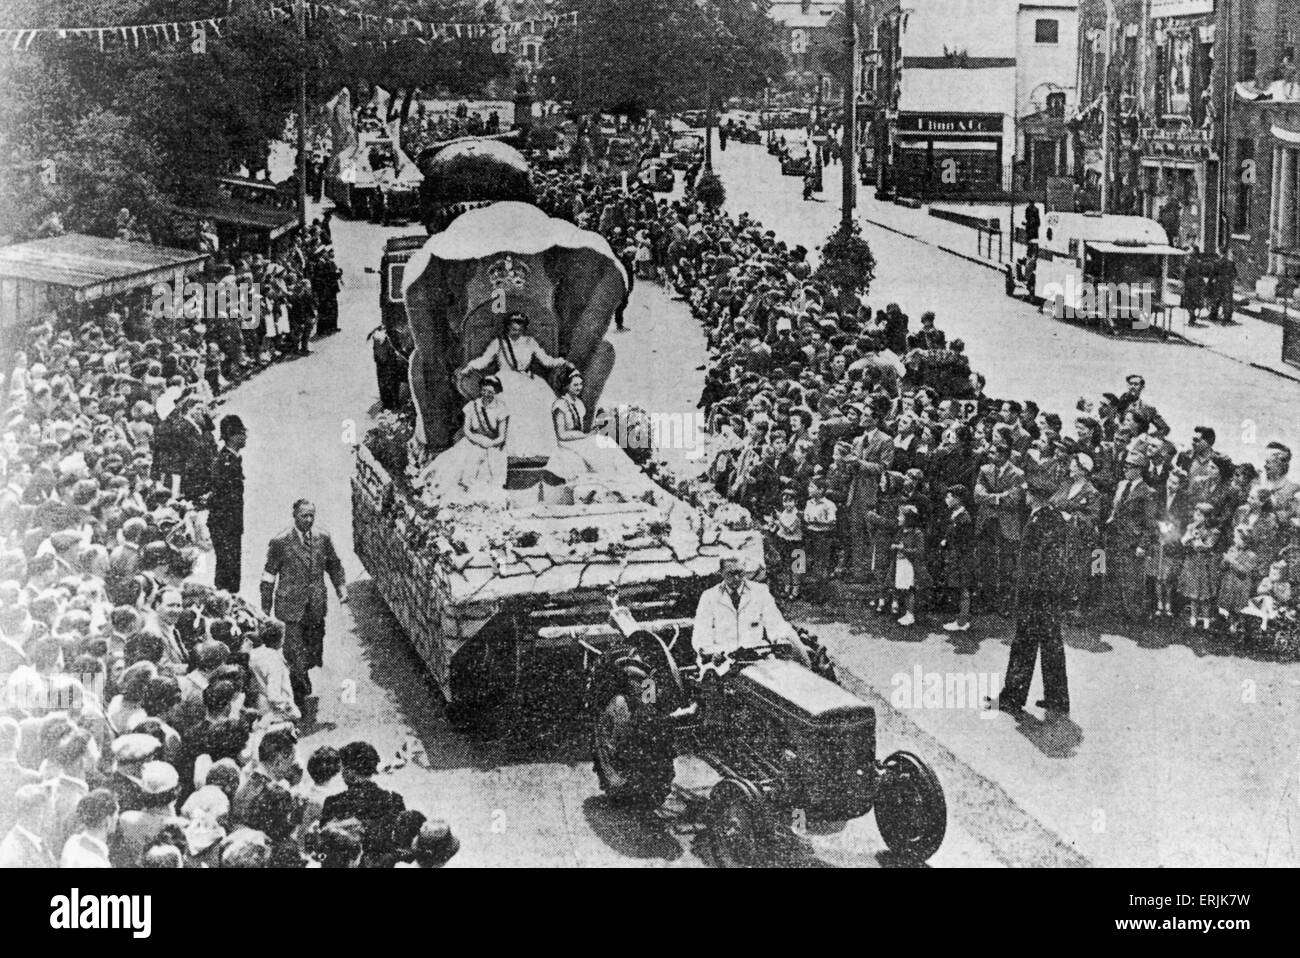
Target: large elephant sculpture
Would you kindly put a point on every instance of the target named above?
(492, 260)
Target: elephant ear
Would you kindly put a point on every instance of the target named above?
(590, 287)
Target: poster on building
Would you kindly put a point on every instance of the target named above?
(1179, 64)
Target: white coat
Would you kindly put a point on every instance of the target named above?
(721, 626)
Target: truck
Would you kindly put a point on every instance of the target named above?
(1106, 271)
(372, 177)
(472, 588)
(575, 595)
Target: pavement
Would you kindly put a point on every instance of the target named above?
(1253, 338)
(1177, 751)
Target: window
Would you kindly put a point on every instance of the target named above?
(1047, 31)
(1056, 104)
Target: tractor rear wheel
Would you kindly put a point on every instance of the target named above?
(911, 812)
(632, 754)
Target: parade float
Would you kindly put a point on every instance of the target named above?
(374, 164)
(488, 587)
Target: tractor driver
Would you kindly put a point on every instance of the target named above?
(738, 613)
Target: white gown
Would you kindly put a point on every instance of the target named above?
(592, 456)
(530, 397)
(465, 472)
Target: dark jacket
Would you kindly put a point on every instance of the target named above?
(376, 809)
(294, 577)
(226, 502)
(1044, 571)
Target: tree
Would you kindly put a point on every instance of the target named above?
(847, 262)
(710, 190)
(633, 55)
(150, 126)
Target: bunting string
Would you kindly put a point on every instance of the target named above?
(194, 32)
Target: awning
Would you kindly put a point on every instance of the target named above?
(1151, 249)
(246, 215)
(95, 266)
(1285, 135)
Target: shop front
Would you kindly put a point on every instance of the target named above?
(1264, 201)
(1178, 185)
(949, 156)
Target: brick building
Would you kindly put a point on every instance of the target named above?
(1261, 185)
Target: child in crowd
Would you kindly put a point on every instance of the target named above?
(909, 566)
(787, 527)
(1163, 562)
(958, 545)
(819, 517)
(1240, 568)
(1196, 582)
(1273, 592)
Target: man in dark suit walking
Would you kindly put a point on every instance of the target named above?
(1043, 580)
(226, 504)
(293, 584)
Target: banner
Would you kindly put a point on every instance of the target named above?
(194, 32)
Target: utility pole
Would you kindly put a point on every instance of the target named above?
(1105, 112)
(848, 152)
(300, 9)
(708, 114)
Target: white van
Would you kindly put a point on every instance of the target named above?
(1104, 269)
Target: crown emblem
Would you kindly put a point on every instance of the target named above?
(508, 272)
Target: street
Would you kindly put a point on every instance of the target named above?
(1176, 752)
(1019, 795)
(542, 809)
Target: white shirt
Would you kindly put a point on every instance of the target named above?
(272, 674)
(724, 626)
(84, 850)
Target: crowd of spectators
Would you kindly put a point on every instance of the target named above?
(867, 447)
(146, 718)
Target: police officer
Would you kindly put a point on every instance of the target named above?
(226, 504)
(1044, 578)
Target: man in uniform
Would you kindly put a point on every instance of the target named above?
(293, 583)
(226, 504)
(1043, 582)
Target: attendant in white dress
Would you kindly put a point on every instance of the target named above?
(511, 357)
(583, 453)
(474, 469)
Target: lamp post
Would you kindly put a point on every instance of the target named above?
(848, 152)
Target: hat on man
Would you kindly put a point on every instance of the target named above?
(135, 747)
(157, 778)
(435, 844)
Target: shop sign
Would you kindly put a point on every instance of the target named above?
(951, 124)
